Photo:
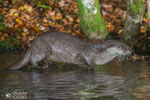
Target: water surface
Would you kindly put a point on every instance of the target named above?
(128, 80)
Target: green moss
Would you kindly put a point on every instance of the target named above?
(9, 45)
(137, 7)
(100, 68)
(146, 15)
(13, 1)
(86, 93)
(148, 28)
(92, 25)
(1, 1)
(2, 25)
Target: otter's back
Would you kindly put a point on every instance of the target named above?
(64, 46)
(65, 40)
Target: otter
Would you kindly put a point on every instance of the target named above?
(59, 46)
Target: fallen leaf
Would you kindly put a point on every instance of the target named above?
(28, 8)
(12, 11)
(21, 8)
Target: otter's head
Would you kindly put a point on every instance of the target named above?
(110, 49)
(118, 48)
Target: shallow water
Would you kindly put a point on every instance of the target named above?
(128, 80)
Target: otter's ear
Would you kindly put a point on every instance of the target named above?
(112, 45)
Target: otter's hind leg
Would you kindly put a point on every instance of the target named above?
(40, 53)
(35, 59)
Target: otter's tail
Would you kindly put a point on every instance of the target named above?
(23, 61)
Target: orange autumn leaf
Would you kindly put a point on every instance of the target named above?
(145, 20)
(110, 27)
(112, 16)
(143, 31)
(69, 31)
(2, 38)
(19, 21)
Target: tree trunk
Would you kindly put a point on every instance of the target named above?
(148, 26)
(148, 14)
(135, 12)
(148, 10)
(92, 23)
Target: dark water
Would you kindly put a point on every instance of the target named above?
(129, 80)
